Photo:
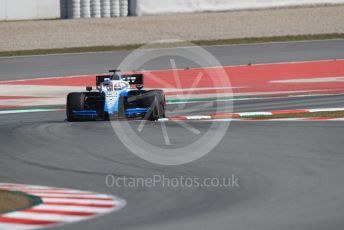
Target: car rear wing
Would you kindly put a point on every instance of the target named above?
(132, 79)
(101, 78)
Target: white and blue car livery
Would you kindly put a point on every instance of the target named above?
(115, 98)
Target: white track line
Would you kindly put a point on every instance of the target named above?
(326, 110)
(253, 115)
(88, 196)
(27, 111)
(70, 208)
(78, 201)
(6, 226)
(42, 216)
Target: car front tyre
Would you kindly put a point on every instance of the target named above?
(75, 102)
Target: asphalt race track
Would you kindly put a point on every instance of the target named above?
(93, 63)
(290, 173)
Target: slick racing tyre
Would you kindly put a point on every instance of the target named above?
(156, 102)
(75, 102)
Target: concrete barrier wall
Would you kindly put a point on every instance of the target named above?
(153, 7)
(29, 9)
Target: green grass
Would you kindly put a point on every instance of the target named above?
(12, 201)
(176, 44)
(35, 107)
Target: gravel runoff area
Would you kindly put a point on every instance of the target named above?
(46, 34)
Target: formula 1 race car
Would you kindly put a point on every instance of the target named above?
(114, 98)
